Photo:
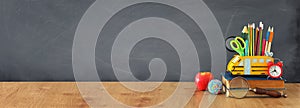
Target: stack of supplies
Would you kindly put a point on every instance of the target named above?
(254, 68)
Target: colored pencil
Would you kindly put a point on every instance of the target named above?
(263, 47)
(261, 25)
(245, 33)
(253, 39)
(250, 39)
(270, 39)
(246, 48)
(245, 37)
(267, 39)
(256, 41)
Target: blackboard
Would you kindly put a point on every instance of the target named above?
(36, 37)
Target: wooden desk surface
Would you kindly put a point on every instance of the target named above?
(66, 94)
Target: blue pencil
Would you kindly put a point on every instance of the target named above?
(246, 48)
(267, 39)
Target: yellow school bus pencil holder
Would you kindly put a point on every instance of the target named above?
(249, 65)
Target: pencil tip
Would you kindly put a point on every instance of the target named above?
(244, 29)
(261, 25)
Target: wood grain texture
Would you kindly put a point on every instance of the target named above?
(66, 94)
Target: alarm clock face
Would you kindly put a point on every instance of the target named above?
(275, 71)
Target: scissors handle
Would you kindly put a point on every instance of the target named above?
(234, 45)
(238, 44)
(241, 41)
(237, 47)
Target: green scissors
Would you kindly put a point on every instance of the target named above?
(238, 45)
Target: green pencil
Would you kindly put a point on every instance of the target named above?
(245, 37)
(261, 26)
(244, 33)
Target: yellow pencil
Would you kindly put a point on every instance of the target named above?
(250, 40)
(253, 39)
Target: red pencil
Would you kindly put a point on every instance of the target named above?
(256, 41)
(263, 47)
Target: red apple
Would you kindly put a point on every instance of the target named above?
(202, 79)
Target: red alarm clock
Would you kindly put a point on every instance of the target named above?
(275, 70)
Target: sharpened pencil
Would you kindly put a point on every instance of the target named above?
(253, 39)
(267, 39)
(263, 47)
(261, 27)
(245, 33)
(256, 41)
(270, 39)
(250, 40)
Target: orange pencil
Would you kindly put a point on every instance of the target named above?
(270, 39)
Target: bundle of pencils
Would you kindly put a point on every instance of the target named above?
(256, 43)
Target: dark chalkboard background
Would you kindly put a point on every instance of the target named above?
(36, 37)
